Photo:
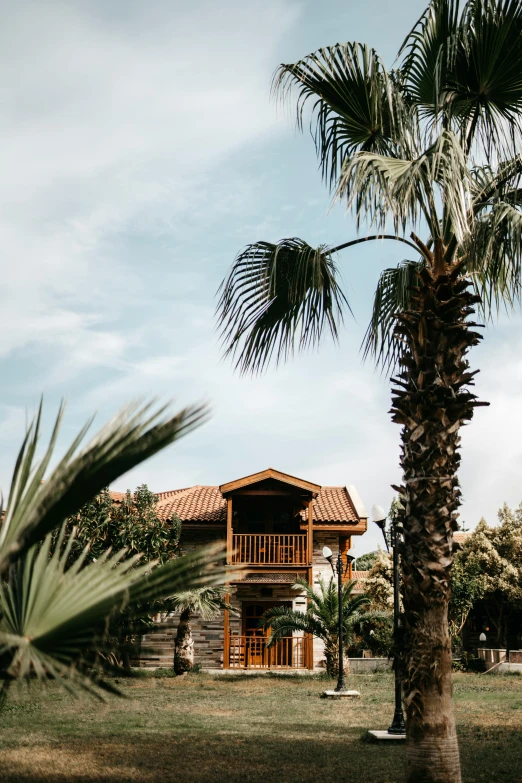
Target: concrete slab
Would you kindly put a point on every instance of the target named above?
(508, 668)
(384, 735)
(341, 694)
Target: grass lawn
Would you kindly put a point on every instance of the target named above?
(199, 729)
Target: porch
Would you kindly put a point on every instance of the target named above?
(269, 549)
(252, 652)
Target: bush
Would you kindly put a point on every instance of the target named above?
(469, 663)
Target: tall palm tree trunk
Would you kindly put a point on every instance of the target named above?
(184, 644)
(431, 401)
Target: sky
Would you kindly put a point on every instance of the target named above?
(140, 152)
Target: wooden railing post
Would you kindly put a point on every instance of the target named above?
(226, 635)
(310, 540)
(229, 531)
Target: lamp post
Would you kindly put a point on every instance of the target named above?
(341, 570)
(398, 725)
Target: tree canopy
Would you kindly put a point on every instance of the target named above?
(493, 556)
(130, 524)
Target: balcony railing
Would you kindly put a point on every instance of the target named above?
(252, 652)
(266, 549)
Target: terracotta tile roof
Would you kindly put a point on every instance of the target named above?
(205, 504)
(360, 575)
(332, 506)
(194, 504)
(166, 495)
(461, 536)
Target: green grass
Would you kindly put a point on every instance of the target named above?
(200, 729)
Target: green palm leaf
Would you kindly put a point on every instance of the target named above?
(54, 619)
(34, 508)
(381, 188)
(467, 70)
(205, 601)
(276, 296)
(355, 103)
(392, 296)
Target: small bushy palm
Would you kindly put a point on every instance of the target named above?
(204, 601)
(321, 618)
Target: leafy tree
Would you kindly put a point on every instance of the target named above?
(467, 587)
(377, 636)
(321, 618)
(206, 602)
(365, 562)
(132, 524)
(54, 615)
(379, 582)
(429, 147)
(495, 555)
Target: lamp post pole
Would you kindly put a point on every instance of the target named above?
(341, 686)
(398, 725)
(340, 569)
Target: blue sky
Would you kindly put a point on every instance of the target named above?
(140, 152)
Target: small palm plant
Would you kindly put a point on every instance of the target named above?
(204, 601)
(321, 618)
(56, 615)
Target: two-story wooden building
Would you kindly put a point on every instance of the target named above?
(275, 527)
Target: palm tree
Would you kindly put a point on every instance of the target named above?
(204, 601)
(429, 148)
(56, 615)
(321, 618)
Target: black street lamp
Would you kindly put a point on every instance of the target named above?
(341, 570)
(398, 725)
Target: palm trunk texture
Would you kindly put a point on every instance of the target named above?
(431, 400)
(184, 645)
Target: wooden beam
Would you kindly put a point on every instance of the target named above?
(309, 636)
(351, 528)
(254, 478)
(273, 492)
(310, 536)
(345, 544)
(229, 531)
(226, 635)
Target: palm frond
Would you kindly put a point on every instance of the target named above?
(428, 54)
(392, 296)
(35, 507)
(462, 65)
(277, 295)
(488, 183)
(284, 621)
(355, 105)
(485, 84)
(404, 191)
(494, 255)
(54, 619)
(205, 601)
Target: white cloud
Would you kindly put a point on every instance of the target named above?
(123, 123)
(114, 123)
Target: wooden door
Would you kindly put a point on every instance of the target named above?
(257, 655)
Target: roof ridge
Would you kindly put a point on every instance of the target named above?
(177, 492)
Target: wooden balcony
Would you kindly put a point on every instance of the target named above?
(267, 549)
(252, 652)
